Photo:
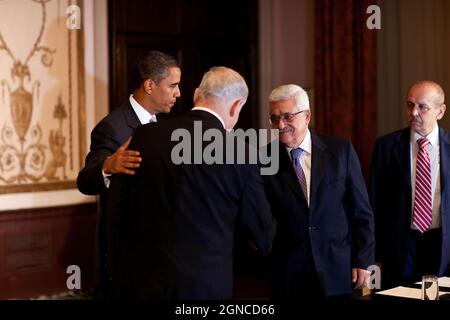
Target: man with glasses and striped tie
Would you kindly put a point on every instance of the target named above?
(324, 240)
(410, 192)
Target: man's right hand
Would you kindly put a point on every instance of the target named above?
(122, 160)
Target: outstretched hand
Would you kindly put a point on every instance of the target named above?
(122, 161)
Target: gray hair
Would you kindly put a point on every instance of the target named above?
(222, 84)
(289, 91)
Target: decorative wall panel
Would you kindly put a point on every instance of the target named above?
(42, 100)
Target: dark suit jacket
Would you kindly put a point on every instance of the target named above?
(337, 229)
(391, 198)
(177, 221)
(107, 136)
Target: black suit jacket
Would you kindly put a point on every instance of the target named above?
(336, 231)
(391, 198)
(107, 136)
(177, 221)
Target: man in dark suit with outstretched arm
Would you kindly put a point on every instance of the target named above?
(157, 80)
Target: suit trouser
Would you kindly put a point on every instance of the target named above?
(102, 257)
(303, 283)
(424, 254)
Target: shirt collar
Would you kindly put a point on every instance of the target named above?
(143, 115)
(433, 136)
(305, 144)
(212, 112)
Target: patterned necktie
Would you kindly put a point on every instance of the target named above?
(296, 154)
(423, 210)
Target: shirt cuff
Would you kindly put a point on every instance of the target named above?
(106, 179)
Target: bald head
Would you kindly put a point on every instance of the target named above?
(432, 88)
(425, 106)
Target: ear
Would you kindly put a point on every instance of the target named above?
(148, 86)
(196, 93)
(441, 112)
(235, 108)
(308, 116)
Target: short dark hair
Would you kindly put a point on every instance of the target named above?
(153, 65)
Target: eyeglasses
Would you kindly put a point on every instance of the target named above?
(286, 117)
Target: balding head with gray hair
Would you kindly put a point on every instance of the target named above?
(221, 85)
(439, 95)
(289, 91)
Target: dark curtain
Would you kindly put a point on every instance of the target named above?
(345, 74)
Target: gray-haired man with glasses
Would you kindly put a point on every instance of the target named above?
(325, 236)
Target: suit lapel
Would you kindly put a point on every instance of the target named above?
(131, 117)
(319, 162)
(402, 156)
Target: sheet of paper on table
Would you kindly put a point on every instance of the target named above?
(405, 292)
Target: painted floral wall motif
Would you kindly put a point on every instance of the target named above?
(42, 107)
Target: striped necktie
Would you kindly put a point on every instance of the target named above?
(296, 155)
(423, 210)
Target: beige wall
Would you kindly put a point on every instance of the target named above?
(101, 58)
(286, 49)
(413, 44)
(96, 66)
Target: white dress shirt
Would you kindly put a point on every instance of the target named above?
(212, 112)
(143, 115)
